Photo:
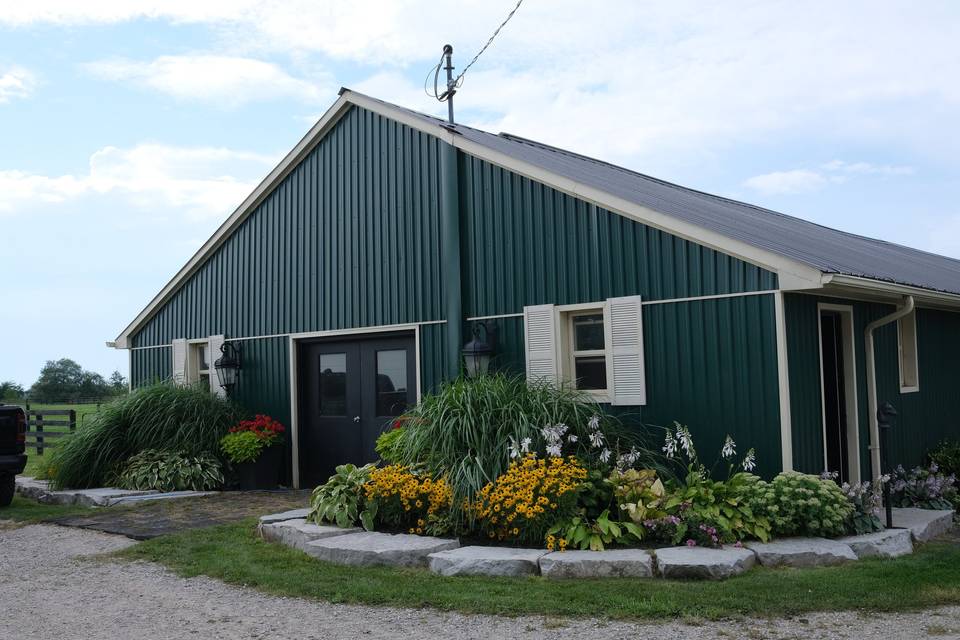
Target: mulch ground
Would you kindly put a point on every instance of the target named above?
(149, 519)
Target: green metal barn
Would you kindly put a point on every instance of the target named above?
(351, 278)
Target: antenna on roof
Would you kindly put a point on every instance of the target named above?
(446, 62)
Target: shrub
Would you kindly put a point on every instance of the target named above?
(531, 497)
(403, 500)
(171, 471)
(947, 457)
(923, 488)
(798, 504)
(466, 428)
(245, 442)
(341, 499)
(160, 416)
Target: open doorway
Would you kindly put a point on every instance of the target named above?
(839, 392)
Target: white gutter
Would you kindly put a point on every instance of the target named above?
(905, 310)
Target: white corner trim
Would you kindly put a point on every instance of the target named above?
(783, 384)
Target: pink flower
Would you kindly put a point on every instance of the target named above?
(691, 542)
(738, 544)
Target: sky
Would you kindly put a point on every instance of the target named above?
(129, 130)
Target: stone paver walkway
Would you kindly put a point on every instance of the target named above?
(147, 520)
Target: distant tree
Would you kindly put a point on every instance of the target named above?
(118, 383)
(65, 380)
(10, 391)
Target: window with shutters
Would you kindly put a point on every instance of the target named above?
(909, 361)
(598, 347)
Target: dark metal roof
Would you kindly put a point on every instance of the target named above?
(823, 248)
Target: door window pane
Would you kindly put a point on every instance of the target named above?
(591, 372)
(588, 332)
(333, 384)
(391, 382)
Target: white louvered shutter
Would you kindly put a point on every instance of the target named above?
(628, 384)
(179, 371)
(215, 343)
(540, 338)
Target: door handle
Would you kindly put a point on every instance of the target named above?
(356, 418)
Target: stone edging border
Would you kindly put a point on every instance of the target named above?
(445, 556)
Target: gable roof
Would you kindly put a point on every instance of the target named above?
(803, 254)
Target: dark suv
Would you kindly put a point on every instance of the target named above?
(13, 435)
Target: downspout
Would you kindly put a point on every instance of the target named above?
(450, 256)
(905, 310)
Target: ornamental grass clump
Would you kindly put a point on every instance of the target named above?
(402, 500)
(533, 495)
(161, 416)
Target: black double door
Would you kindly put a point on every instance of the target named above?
(834, 394)
(350, 391)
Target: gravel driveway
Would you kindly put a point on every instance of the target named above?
(51, 589)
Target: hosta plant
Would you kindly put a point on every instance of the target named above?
(924, 488)
(595, 535)
(155, 470)
(340, 501)
(867, 499)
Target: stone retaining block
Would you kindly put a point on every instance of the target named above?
(370, 548)
(293, 514)
(613, 563)
(486, 561)
(701, 562)
(925, 524)
(802, 552)
(297, 533)
(889, 543)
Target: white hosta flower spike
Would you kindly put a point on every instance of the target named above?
(729, 448)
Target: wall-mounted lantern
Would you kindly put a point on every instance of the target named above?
(228, 365)
(477, 352)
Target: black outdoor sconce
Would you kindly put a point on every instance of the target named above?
(886, 415)
(228, 365)
(477, 352)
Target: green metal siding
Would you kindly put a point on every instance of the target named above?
(710, 364)
(150, 365)
(349, 239)
(926, 417)
(525, 243)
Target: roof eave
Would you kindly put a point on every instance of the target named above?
(889, 291)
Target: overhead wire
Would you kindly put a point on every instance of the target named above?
(458, 81)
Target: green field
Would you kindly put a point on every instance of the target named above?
(84, 413)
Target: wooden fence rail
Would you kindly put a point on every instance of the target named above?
(37, 422)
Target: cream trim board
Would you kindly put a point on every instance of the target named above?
(849, 383)
(294, 381)
(783, 383)
(891, 291)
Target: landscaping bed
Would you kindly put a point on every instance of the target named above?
(510, 473)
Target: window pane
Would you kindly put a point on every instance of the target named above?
(591, 372)
(204, 356)
(333, 384)
(588, 332)
(391, 382)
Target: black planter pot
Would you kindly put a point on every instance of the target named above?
(262, 473)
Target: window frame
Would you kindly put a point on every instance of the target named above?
(907, 352)
(194, 374)
(569, 353)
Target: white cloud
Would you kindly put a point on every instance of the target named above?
(225, 80)
(16, 82)
(786, 182)
(201, 181)
(806, 180)
(866, 168)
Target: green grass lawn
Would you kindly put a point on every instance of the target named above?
(233, 553)
(30, 511)
(84, 413)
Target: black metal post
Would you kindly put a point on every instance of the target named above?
(451, 89)
(885, 415)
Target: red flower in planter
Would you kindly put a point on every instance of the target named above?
(264, 427)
